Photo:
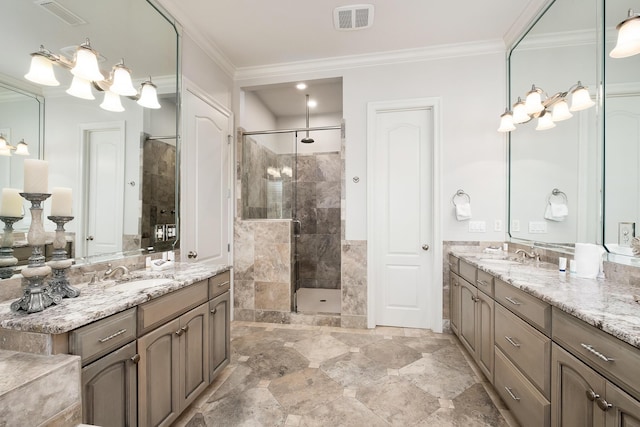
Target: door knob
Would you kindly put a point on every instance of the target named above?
(425, 247)
(192, 254)
(90, 238)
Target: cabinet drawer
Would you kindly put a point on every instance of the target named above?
(528, 307)
(219, 284)
(161, 310)
(467, 271)
(527, 348)
(525, 402)
(453, 264)
(610, 357)
(99, 338)
(484, 282)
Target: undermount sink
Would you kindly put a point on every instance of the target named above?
(138, 284)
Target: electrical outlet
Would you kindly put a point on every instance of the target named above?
(497, 225)
(515, 225)
(626, 232)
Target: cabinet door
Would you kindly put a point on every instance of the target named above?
(625, 410)
(468, 306)
(220, 334)
(454, 303)
(576, 390)
(194, 354)
(109, 389)
(158, 375)
(485, 334)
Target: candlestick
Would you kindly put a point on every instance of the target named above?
(37, 295)
(61, 202)
(11, 203)
(36, 176)
(7, 260)
(59, 262)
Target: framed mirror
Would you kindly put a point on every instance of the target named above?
(555, 173)
(121, 166)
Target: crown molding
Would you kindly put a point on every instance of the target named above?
(517, 30)
(445, 51)
(560, 39)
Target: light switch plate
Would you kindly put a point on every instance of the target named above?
(497, 225)
(626, 232)
(477, 227)
(515, 225)
(537, 227)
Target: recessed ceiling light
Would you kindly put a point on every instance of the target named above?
(312, 103)
(301, 86)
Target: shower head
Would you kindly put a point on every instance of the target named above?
(307, 140)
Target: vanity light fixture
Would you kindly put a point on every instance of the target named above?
(628, 43)
(547, 110)
(21, 149)
(86, 74)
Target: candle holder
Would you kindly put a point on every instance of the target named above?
(37, 295)
(7, 260)
(60, 261)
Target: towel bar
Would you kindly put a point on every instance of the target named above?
(556, 192)
(460, 193)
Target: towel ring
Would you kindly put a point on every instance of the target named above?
(556, 192)
(460, 193)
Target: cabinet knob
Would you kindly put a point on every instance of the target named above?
(214, 311)
(179, 332)
(192, 254)
(89, 238)
(425, 247)
(592, 395)
(603, 404)
(136, 358)
(185, 328)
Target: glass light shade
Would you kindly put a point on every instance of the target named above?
(506, 122)
(533, 102)
(5, 151)
(41, 71)
(22, 149)
(561, 111)
(545, 122)
(628, 43)
(3, 143)
(80, 88)
(519, 113)
(122, 81)
(111, 102)
(86, 65)
(149, 96)
(580, 99)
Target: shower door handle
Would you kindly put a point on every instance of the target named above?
(425, 247)
(297, 227)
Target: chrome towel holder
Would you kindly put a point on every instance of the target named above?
(555, 193)
(460, 194)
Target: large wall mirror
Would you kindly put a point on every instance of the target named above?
(555, 174)
(121, 166)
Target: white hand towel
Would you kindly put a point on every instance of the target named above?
(556, 211)
(463, 211)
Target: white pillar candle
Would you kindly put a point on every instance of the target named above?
(11, 203)
(61, 201)
(36, 176)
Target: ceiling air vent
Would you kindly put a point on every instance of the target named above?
(60, 12)
(354, 17)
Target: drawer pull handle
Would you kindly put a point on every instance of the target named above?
(592, 395)
(223, 284)
(112, 336)
(604, 405)
(456, 283)
(513, 301)
(511, 341)
(595, 352)
(482, 282)
(214, 311)
(136, 358)
(185, 328)
(513, 396)
(182, 330)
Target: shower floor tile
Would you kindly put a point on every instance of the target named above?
(315, 300)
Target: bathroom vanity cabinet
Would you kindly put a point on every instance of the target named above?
(145, 365)
(551, 368)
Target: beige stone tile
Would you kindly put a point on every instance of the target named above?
(321, 348)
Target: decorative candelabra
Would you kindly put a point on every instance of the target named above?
(60, 262)
(37, 295)
(7, 260)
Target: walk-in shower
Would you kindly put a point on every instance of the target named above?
(286, 177)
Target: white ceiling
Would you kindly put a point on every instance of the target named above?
(259, 33)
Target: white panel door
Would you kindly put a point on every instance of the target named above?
(205, 191)
(104, 148)
(402, 219)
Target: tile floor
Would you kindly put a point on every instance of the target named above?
(298, 375)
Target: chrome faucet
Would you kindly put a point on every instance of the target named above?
(110, 272)
(533, 254)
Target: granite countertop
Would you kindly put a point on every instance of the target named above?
(606, 304)
(105, 298)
